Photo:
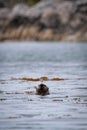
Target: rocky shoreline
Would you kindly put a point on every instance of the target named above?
(48, 20)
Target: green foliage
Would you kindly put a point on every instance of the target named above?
(11, 3)
(32, 2)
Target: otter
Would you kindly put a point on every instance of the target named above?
(42, 89)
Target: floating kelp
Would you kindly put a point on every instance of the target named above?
(28, 92)
(30, 79)
(14, 93)
(44, 78)
(57, 79)
(25, 92)
(2, 99)
(77, 100)
(58, 100)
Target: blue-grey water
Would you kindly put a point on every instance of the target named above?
(66, 106)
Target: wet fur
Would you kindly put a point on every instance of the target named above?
(42, 89)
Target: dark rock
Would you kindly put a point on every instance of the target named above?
(19, 20)
(51, 13)
(19, 9)
(79, 17)
(17, 16)
(50, 19)
(4, 13)
(4, 17)
(2, 4)
(22, 15)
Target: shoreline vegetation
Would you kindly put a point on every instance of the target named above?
(46, 20)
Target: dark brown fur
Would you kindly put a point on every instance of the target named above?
(42, 89)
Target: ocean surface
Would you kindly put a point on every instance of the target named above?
(65, 108)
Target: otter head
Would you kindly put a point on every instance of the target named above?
(42, 89)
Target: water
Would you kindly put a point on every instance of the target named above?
(66, 106)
